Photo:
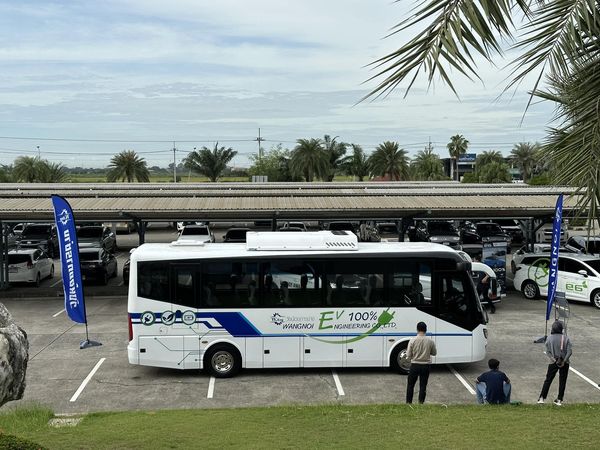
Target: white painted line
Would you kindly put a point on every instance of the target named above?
(59, 313)
(338, 384)
(56, 282)
(461, 379)
(120, 284)
(576, 372)
(211, 388)
(87, 380)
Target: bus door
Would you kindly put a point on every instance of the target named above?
(456, 316)
(158, 343)
(184, 309)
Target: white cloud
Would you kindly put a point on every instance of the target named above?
(194, 70)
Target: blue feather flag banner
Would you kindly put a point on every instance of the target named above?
(553, 275)
(69, 259)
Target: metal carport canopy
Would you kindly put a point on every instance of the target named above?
(242, 201)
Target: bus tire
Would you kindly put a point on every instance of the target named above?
(530, 290)
(595, 298)
(398, 361)
(222, 360)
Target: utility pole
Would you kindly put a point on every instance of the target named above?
(39, 153)
(174, 164)
(259, 140)
(429, 146)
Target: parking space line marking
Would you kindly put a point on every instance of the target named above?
(211, 388)
(461, 379)
(338, 384)
(60, 312)
(576, 372)
(87, 380)
(56, 282)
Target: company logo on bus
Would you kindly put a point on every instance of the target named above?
(294, 322)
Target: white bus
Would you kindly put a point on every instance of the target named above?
(314, 299)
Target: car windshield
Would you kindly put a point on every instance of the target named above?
(488, 228)
(37, 230)
(195, 231)
(87, 256)
(441, 227)
(89, 232)
(18, 259)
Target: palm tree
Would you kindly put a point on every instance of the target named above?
(26, 169)
(5, 174)
(524, 156)
(357, 163)
(558, 39)
(309, 159)
(494, 172)
(457, 146)
(210, 163)
(335, 152)
(51, 172)
(489, 156)
(428, 166)
(389, 159)
(127, 166)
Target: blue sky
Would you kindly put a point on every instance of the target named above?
(195, 72)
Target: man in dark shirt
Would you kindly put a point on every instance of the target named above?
(495, 384)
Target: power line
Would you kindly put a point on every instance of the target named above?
(21, 138)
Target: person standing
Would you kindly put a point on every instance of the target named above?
(493, 386)
(420, 350)
(559, 350)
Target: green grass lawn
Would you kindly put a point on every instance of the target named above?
(331, 427)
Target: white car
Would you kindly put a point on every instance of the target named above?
(524, 251)
(196, 233)
(29, 266)
(578, 277)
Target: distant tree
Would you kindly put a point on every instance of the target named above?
(309, 159)
(51, 172)
(427, 166)
(356, 164)
(26, 169)
(487, 157)
(525, 156)
(494, 172)
(457, 146)
(127, 166)
(389, 159)
(335, 152)
(210, 163)
(5, 174)
(275, 164)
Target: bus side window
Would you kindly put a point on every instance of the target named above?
(184, 287)
(153, 280)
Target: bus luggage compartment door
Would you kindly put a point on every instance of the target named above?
(281, 351)
(365, 352)
(161, 351)
(316, 353)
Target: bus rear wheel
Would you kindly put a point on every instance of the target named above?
(223, 361)
(398, 360)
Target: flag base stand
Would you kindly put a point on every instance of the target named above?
(540, 340)
(87, 343)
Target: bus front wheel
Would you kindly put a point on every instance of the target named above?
(398, 360)
(223, 361)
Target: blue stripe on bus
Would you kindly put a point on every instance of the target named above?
(236, 324)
